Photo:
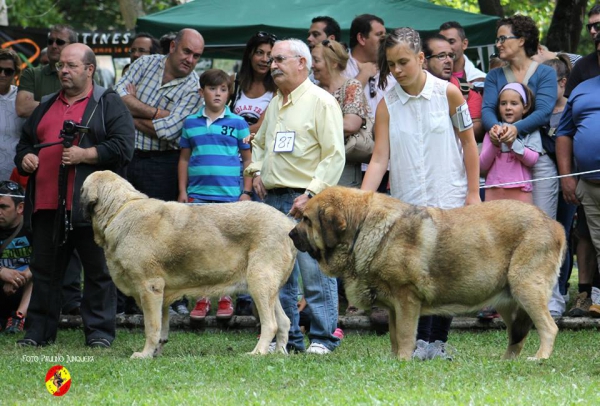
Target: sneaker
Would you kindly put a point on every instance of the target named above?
(289, 349)
(225, 309)
(487, 314)
(595, 295)
(420, 353)
(438, 349)
(201, 309)
(15, 323)
(581, 307)
(339, 333)
(317, 348)
(594, 311)
(555, 314)
(182, 310)
(243, 307)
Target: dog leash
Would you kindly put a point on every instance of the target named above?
(539, 179)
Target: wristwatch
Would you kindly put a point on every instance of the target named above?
(309, 194)
(248, 192)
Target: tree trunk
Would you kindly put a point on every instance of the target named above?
(565, 28)
(491, 7)
(131, 10)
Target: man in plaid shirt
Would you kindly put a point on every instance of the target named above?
(160, 92)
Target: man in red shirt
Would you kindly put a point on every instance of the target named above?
(107, 145)
(439, 61)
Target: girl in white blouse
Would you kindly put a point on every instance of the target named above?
(423, 128)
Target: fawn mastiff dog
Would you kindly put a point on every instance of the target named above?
(421, 261)
(158, 251)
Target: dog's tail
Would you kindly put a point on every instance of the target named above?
(521, 325)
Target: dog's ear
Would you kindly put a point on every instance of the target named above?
(332, 224)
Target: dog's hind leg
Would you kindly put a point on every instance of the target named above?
(264, 300)
(518, 323)
(164, 332)
(151, 300)
(283, 326)
(537, 308)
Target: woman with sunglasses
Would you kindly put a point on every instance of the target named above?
(10, 130)
(517, 42)
(253, 85)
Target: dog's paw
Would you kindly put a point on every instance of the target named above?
(140, 355)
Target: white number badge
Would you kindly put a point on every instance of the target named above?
(284, 141)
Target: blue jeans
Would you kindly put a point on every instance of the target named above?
(320, 292)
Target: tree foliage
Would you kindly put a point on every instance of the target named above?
(104, 15)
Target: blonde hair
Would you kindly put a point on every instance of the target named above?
(333, 53)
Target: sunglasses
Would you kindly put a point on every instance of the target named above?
(262, 34)
(11, 187)
(7, 71)
(372, 87)
(327, 43)
(442, 56)
(595, 26)
(59, 42)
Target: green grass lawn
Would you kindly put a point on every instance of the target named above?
(213, 369)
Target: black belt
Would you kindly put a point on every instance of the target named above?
(285, 190)
(151, 154)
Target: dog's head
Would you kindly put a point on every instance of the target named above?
(103, 193)
(329, 222)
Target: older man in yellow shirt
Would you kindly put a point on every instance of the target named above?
(297, 153)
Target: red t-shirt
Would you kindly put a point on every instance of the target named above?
(48, 130)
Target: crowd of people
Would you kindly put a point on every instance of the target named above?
(440, 132)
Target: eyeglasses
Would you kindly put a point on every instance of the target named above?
(500, 40)
(10, 187)
(262, 34)
(442, 56)
(595, 26)
(140, 50)
(59, 42)
(7, 71)
(280, 58)
(69, 66)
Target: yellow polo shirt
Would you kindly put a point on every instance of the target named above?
(318, 156)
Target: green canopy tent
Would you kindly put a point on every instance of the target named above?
(226, 25)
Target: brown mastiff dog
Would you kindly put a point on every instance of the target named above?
(159, 251)
(421, 261)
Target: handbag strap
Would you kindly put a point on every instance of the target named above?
(12, 237)
(510, 76)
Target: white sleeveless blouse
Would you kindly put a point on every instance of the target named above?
(426, 157)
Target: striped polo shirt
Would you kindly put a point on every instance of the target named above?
(214, 166)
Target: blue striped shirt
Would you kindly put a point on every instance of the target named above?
(214, 166)
(179, 96)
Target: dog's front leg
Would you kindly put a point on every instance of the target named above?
(151, 298)
(404, 318)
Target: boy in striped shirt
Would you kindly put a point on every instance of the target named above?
(209, 164)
